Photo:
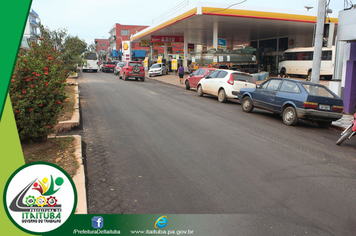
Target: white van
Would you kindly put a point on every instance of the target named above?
(90, 65)
(299, 61)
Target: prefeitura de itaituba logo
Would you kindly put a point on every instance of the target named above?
(39, 195)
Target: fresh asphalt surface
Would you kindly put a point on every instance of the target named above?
(154, 148)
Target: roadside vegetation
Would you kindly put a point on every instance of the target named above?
(41, 98)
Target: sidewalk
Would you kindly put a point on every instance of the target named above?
(173, 79)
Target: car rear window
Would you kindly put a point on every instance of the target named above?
(289, 87)
(222, 74)
(135, 63)
(110, 62)
(156, 66)
(244, 78)
(214, 74)
(317, 90)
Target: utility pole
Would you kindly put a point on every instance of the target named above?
(318, 41)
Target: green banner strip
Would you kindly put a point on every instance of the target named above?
(14, 16)
(11, 159)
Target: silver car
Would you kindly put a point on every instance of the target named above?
(158, 69)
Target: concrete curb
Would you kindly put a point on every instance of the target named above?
(75, 121)
(79, 177)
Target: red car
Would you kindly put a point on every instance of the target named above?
(109, 66)
(194, 78)
(132, 69)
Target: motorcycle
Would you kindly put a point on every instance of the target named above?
(348, 132)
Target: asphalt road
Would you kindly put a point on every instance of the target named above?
(153, 148)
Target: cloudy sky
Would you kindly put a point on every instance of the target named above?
(90, 19)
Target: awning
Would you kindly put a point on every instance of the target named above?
(139, 53)
(114, 53)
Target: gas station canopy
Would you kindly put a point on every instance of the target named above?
(237, 26)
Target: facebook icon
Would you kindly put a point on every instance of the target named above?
(97, 222)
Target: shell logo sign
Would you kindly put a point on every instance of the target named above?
(126, 46)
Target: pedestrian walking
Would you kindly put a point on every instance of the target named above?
(181, 74)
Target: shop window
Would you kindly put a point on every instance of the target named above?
(283, 44)
(268, 45)
(125, 32)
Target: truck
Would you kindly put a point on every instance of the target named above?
(109, 66)
(90, 65)
(244, 59)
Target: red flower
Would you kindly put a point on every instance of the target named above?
(33, 73)
(59, 82)
(41, 105)
(27, 80)
(46, 83)
(25, 60)
(17, 112)
(50, 58)
(37, 75)
(24, 91)
(46, 68)
(30, 109)
(58, 102)
(32, 85)
(31, 78)
(20, 96)
(46, 73)
(12, 80)
(14, 76)
(64, 71)
(41, 38)
(48, 126)
(25, 77)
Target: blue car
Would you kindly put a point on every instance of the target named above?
(294, 100)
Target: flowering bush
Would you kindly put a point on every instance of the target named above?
(37, 90)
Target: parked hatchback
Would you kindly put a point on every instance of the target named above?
(133, 69)
(294, 100)
(158, 69)
(221, 83)
(194, 78)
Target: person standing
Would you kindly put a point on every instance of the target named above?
(181, 74)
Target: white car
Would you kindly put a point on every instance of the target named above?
(158, 69)
(221, 83)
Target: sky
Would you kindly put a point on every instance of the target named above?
(91, 19)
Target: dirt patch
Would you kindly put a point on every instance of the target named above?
(59, 151)
(68, 104)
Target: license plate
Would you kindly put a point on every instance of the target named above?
(324, 107)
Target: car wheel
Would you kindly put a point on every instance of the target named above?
(222, 96)
(246, 104)
(187, 86)
(200, 91)
(143, 79)
(345, 136)
(149, 75)
(290, 116)
(324, 124)
(125, 77)
(136, 79)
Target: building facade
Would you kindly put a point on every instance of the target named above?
(102, 46)
(31, 29)
(140, 50)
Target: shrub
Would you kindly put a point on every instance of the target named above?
(37, 90)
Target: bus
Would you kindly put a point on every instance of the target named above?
(299, 61)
